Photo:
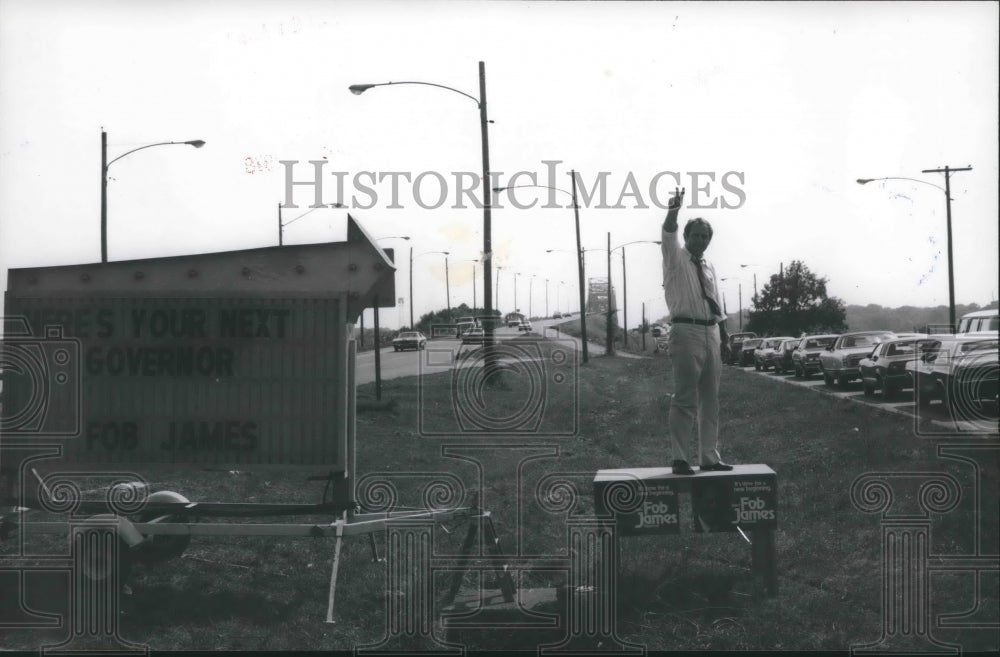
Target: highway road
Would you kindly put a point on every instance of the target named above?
(407, 363)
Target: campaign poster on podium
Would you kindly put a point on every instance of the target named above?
(723, 504)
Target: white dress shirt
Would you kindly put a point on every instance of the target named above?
(681, 287)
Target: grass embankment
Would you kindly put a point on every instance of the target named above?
(597, 334)
(687, 592)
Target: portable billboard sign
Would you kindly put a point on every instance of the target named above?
(218, 359)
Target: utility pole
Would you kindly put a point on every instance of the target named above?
(947, 171)
(609, 339)
(378, 355)
(580, 273)
(447, 287)
(642, 328)
(531, 293)
(624, 303)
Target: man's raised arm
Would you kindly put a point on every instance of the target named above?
(673, 208)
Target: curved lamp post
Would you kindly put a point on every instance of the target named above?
(497, 295)
(473, 261)
(282, 224)
(197, 143)
(412, 258)
(516, 309)
(947, 171)
(378, 329)
(579, 254)
(740, 291)
(624, 285)
(358, 89)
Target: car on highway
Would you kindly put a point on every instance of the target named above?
(805, 358)
(783, 355)
(524, 326)
(885, 367)
(839, 362)
(764, 355)
(409, 340)
(736, 345)
(464, 324)
(747, 349)
(557, 315)
(959, 370)
(473, 335)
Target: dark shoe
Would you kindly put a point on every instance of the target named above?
(720, 467)
(681, 468)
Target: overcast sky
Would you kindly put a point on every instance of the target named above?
(774, 110)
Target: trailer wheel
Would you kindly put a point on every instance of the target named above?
(97, 562)
(160, 548)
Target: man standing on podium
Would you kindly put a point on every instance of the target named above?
(698, 341)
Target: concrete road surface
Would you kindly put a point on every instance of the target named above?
(407, 363)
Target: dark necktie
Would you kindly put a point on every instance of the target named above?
(713, 305)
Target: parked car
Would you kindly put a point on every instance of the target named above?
(783, 355)
(658, 330)
(960, 370)
(747, 349)
(524, 326)
(763, 356)
(980, 320)
(409, 340)
(805, 358)
(839, 362)
(474, 335)
(736, 345)
(885, 367)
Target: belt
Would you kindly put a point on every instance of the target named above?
(688, 320)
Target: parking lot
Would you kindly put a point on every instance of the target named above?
(934, 420)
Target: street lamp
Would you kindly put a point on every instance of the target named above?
(624, 284)
(377, 239)
(497, 296)
(197, 143)
(473, 261)
(516, 309)
(546, 298)
(579, 253)
(531, 293)
(754, 282)
(947, 171)
(282, 224)
(740, 291)
(359, 89)
(378, 329)
(412, 258)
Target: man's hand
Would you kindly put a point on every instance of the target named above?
(677, 199)
(673, 207)
(726, 352)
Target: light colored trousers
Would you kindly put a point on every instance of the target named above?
(694, 412)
